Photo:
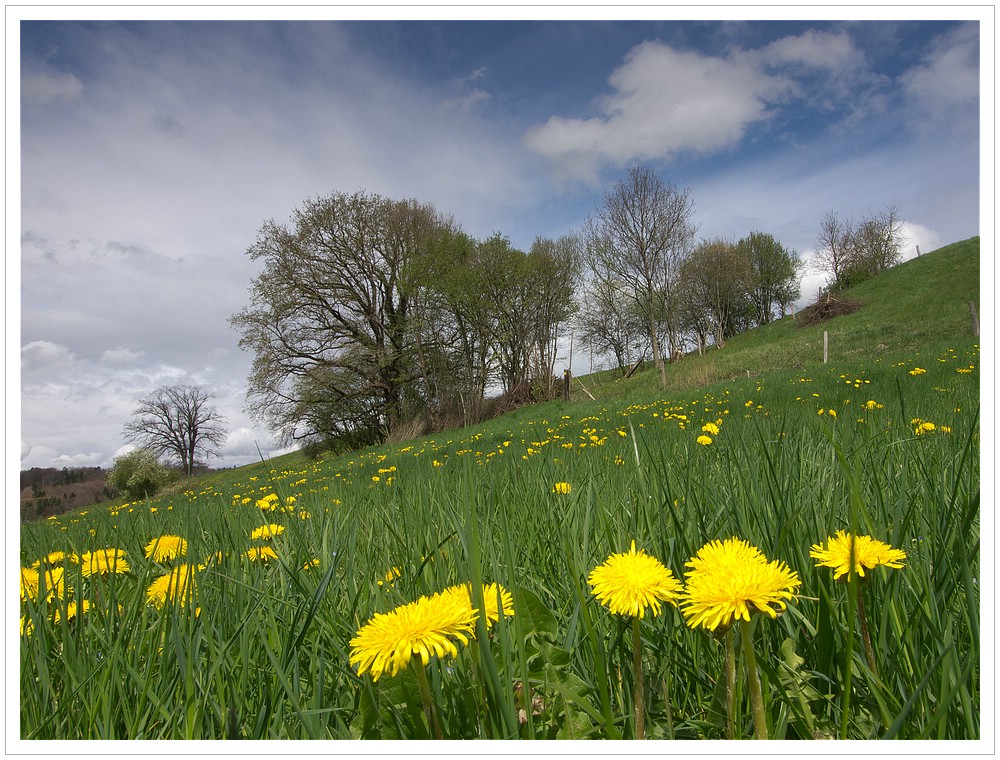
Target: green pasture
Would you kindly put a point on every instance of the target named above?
(880, 441)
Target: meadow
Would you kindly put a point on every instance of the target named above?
(228, 610)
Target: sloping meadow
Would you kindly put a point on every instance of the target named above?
(280, 601)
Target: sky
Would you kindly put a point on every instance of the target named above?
(151, 152)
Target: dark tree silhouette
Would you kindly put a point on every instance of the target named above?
(177, 422)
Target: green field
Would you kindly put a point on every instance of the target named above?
(881, 441)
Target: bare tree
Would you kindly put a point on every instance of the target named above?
(834, 246)
(851, 253)
(638, 237)
(177, 422)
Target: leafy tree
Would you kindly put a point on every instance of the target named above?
(639, 237)
(138, 475)
(177, 422)
(773, 275)
(717, 277)
(329, 315)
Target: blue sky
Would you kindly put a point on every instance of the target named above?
(151, 152)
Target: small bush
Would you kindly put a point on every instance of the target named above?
(138, 475)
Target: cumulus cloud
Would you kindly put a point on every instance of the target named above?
(834, 52)
(665, 102)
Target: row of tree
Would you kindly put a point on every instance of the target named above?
(370, 313)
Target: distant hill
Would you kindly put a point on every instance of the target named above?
(49, 491)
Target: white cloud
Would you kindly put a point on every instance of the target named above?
(819, 50)
(665, 102)
(948, 79)
(121, 356)
(44, 87)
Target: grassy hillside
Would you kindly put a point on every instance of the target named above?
(249, 623)
(918, 304)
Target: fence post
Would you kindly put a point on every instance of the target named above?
(566, 377)
(975, 318)
(826, 347)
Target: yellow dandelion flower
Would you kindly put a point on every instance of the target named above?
(432, 625)
(103, 562)
(177, 586)
(267, 532)
(704, 440)
(631, 582)
(260, 554)
(732, 578)
(867, 551)
(918, 371)
(166, 548)
(56, 558)
(711, 428)
(490, 591)
(71, 610)
(269, 503)
(52, 580)
(563, 488)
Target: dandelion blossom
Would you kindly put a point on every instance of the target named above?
(711, 428)
(166, 548)
(103, 562)
(260, 554)
(176, 586)
(55, 558)
(704, 440)
(729, 580)
(489, 600)
(868, 553)
(563, 488)
(267, 532)
(429, 626)
(52, 580)
(632, 582)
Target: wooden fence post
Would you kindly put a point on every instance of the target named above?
(826, 347)
(975, 318)
(566, 379)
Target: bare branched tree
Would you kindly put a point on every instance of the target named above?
(639, 236)
(178, 422)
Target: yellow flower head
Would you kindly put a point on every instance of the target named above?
(177, 586)
(729, 580)
(52, 579)
(267, 531)
(166, 548)
(867, 553)
(269, 503)
(704, 440)
(490, 592)
(103, 562)
(630, 582)
(711, 428)
(260, 554)
(71, 610)
(55, 558)
(563, 488)
(429, 626)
